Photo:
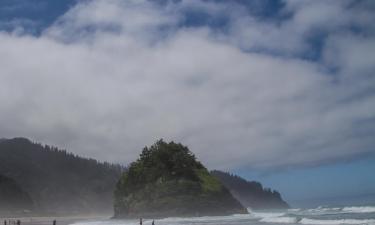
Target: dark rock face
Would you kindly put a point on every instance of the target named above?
(12, 197)
(167, 180)
(250, 193)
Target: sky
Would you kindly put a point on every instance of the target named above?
(278, 91)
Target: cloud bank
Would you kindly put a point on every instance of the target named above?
(111, 76)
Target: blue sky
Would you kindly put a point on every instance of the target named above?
(337, 184)
(277, 91)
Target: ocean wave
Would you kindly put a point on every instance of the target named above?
(205, 219)
(324, 209)
(336, 222)
(359, 209)
(294, 210)
(282, 219)
(267, 214)
(349, 209)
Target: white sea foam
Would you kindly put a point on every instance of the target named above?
(359, 209)
(272, 217)
(322, 211)
(337, 222)
(294, 210)
(261, 215)
(205, 219)
(282, 219)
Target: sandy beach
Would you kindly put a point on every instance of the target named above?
(66, 220)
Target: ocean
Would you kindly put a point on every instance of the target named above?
(322, 215)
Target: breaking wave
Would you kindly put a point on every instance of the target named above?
(282, 219)
(294, 210)
(320, 215)
(359, 209)
(262, 215)
(339, 221)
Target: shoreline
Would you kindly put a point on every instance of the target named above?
(48, 220)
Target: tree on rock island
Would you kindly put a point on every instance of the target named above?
(167, 180)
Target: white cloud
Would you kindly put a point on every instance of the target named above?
(350, 53)
(107, 93)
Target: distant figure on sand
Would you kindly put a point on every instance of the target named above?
(140, 221)
(153, 222)
(5, 222)
(18, 222)
(54, 222)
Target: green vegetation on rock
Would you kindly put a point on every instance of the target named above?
(167, 180)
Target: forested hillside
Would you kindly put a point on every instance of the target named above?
(251, 193)
(12, 197)
(58, 181)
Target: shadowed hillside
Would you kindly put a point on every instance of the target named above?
(12, 197)
(250, 193)
(57, 181)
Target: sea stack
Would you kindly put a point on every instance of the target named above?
(168, 181)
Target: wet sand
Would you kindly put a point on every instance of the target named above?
(49, 220)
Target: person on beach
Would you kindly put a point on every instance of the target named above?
(140, 221)
(153, 222)
(54, 222)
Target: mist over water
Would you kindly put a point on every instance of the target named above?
(317, 216)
